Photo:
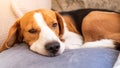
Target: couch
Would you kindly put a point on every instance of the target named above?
(20, 56)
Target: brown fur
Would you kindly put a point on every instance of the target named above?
(70, 23)
(20, 30)
(101, 25)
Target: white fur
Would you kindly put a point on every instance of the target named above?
(72, 40)
(46, 35)
(117, 63)
(104, 43)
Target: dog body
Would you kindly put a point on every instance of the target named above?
(102, 26)
(49, 33)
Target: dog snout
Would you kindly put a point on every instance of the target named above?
(52, 47)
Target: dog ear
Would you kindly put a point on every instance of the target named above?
(14, 36)
(61, 24)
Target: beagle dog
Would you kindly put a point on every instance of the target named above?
(49, 33)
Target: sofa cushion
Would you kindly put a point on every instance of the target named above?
(67, 5)
(20, 56)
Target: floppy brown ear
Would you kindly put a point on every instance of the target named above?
(14, 36)
(61, 24)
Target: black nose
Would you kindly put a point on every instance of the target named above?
(52, 47)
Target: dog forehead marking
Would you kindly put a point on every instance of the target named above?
(46, 32)
(39, 20)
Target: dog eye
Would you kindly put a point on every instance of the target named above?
(32, 31)
(54, 25)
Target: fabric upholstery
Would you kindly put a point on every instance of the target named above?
(67, 5)
(21, 57)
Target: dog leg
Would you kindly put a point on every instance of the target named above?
(104, 43)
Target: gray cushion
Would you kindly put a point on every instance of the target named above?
(67, 5)
(20, 56)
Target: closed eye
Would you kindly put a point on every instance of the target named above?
(54, 25)
(32, 31)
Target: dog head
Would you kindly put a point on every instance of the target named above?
(41, 30)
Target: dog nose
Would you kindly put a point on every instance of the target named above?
(52, 47)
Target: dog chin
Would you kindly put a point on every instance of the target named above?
(56, 54)
(52, 55)
(47, 54)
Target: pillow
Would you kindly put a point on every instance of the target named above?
(20, 56)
